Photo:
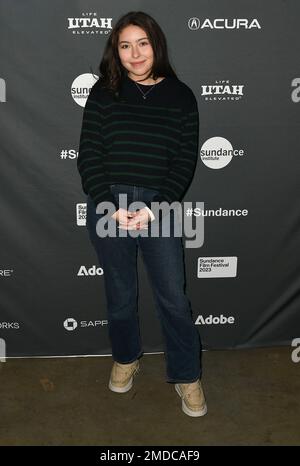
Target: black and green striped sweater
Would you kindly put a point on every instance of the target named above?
(150, 142)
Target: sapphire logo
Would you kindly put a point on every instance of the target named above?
(70, 324)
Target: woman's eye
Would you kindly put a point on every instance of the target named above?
(126, 45)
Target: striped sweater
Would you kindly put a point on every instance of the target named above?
(150, 142)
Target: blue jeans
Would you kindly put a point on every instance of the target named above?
(164, 261)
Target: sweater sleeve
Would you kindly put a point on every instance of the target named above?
(183, 163)
(90, 154)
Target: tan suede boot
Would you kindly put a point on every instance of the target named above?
(121, 377)
(193, 400)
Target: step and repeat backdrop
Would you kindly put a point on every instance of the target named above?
(241, 59)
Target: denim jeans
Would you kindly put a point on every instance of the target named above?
(163, 258)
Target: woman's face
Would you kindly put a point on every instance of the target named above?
(135, 52)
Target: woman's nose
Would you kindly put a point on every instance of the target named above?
(135, 52)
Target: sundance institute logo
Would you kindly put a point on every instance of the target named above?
(81, 87)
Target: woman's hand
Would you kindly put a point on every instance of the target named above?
(132, 220)
(122, 215)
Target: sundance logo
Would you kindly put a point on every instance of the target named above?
(217, 152)
(210, 320)
(81, 214)
(216, 267)
(92, 271)
(71, 324)
(81, 87)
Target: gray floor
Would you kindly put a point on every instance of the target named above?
(253, 398)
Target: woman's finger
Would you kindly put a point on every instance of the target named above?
(132, 227)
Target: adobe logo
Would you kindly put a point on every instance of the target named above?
(217, 320)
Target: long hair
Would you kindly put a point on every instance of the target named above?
(111, 70)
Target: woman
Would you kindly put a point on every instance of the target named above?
(139, 142)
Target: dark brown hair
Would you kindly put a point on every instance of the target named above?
(111, 70)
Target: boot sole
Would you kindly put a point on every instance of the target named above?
(124, 389)
(187, 410)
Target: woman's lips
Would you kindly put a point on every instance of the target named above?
(138, 63)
